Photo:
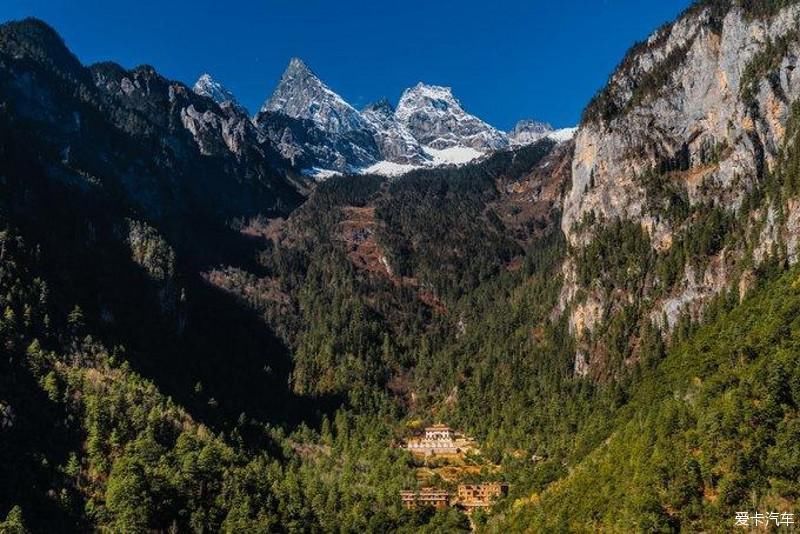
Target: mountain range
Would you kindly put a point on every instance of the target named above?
(197, 336)
(320, 133)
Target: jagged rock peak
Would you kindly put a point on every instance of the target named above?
(206, 85)
(529, 131)
(423, 95)
(382, 106)
(528, 125)
(301, 94)
(436, 119)
(297, 67)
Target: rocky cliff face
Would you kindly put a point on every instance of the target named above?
(312, 149)
(709, 124)
(217, 130)
(207, 127)
(395, 142)
(692, 122)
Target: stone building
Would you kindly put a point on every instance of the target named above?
(439, 439)
(439, 432)
(437, 498)
(483, 495)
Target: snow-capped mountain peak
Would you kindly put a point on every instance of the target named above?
(298, 66)
(206, 85)
(315, 128)
(423, 96)
(302, 95)
(436, 119)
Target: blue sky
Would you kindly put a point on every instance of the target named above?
(506, 60)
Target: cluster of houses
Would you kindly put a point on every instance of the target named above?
(441, 439)
(468, 496)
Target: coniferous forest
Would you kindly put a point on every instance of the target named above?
(196, 337)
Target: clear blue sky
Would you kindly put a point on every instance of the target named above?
(506, 60)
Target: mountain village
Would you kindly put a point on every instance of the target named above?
(441, 442)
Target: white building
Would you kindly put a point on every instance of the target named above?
(439, 432)
(437, 439)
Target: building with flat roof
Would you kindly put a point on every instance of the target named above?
(434, 497)
(439, 432)
(439, 439)
(482, 495)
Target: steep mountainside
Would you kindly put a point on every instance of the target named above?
(681, 153)
(613, 317)
(682, 210)
(171, 151)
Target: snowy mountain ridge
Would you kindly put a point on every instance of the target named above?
(437, 119)
(322, 134)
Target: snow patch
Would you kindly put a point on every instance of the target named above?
(319, 174)
(389, 168)
(562, 134)
(456, 155)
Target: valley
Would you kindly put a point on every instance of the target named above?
(315, 319)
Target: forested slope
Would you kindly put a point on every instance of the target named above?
(613, 319)
(710, 430)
